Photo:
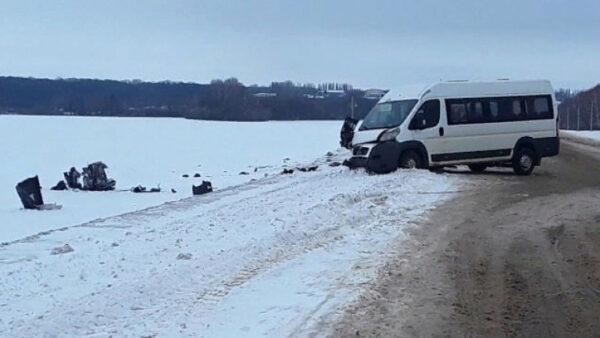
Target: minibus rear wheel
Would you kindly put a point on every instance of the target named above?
(410, 159)
(524, 161)
(477, 167)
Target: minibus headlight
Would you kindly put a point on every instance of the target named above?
(389, 134)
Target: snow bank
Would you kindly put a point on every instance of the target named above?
(589, 137)
(272, 257)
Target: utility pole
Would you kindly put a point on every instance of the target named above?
(568, 118)
(592, 116)
(578, 113)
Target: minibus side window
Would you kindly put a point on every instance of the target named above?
(457, 112)
(538, 107)
(493, 115)
(475, 111)
(431, 113)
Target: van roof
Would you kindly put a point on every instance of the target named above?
(470, 89)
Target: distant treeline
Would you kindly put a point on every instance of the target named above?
(219, 100)
(580, 110)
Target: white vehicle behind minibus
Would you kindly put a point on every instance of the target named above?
(483, 124)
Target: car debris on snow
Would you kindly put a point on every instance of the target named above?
(72, 178)
(184, 256)
(62, 250)
(30, 193)
(61, 185)
(203, 188)
(95, 178)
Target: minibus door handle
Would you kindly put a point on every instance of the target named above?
(441, 131)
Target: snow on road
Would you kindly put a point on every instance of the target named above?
(275, 256)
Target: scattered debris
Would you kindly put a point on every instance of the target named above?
(173, 191)
(185, 175)
(305, 169)
(335, 164)
(286, 159)
(287, 171)
(30, 193)
(244, 173)
(72, 178)
(329, 154)
(203, 188)
(61, 185)
(49, 206)
(95, 179)
(196, 175)
(115, 244)
(185, 256)
(140, 189)
(62, 250)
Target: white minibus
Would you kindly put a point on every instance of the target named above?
(479, 124)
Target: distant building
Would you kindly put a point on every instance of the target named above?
(335, 93)
(374, 94)
(265, 94)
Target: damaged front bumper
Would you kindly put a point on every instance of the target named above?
(380, 158)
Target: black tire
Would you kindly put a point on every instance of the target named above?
(410, 159)
(524, 161)
(477, 167)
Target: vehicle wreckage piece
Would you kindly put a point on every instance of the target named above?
(142, 189)
(347, 132)
(72, 178)
(30, 193)
(95, 179)
(203, 188)
(61, 185)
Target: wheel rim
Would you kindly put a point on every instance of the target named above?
(525, 162)
(411, 163)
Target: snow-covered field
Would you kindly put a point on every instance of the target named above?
(146, 151)
(281, 255)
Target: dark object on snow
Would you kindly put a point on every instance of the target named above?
(196, 175)
(244, 173)
(30, 193)
(173, 191)
(72, 178)
(335, 164)
(140, 189)
(61, 185)
(287, 171)
(305, 169)
(62, 250)
(347, 132)
(185, 175)
(203, 188)
(94, 178)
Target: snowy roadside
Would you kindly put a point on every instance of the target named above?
(587, 137)
(271, 257)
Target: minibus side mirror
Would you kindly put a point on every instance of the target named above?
(418, 122)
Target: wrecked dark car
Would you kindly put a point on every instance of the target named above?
(95, 178)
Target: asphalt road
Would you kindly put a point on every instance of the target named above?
(510, 256)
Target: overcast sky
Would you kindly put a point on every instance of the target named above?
(379, 44)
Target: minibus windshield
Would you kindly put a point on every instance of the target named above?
(388, 114)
